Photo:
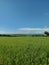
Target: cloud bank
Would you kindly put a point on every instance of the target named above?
(45, 29)
(25, 31)
(33, 30)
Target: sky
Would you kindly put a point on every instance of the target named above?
(17, 14)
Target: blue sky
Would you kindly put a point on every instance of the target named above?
(15, 14)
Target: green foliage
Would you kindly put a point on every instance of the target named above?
(24, 50)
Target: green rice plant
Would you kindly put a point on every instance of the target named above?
(24, 50)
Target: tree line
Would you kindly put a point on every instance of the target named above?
(23, 35)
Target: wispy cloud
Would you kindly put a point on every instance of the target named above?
(45, 29)
(33, 30)
(6, 32)
(46, 13)
(2, 32)
(25, 31)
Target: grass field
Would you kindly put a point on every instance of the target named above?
(24, 50)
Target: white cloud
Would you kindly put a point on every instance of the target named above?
(25, 31)
(45, 29)
(2, 32)
(33, 30)
(6, 32)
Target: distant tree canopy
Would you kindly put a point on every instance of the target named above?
(24, 35)
(47, 33)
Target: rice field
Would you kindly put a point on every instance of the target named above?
(24, 50)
